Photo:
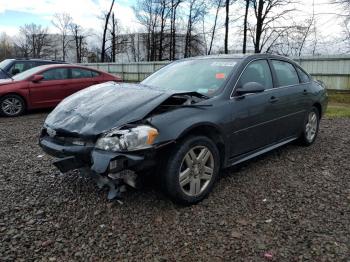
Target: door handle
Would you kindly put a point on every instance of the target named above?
(273, 99)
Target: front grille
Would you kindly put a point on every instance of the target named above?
(65, 140)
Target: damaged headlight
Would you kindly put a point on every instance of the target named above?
(136, 138)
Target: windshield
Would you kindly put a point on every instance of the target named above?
(4, 63)
(204, 76)
(27, 73)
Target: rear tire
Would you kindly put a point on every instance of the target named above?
(310, 127)
(12, 106)
(191, 170)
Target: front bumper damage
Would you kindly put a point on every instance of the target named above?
(107, 169)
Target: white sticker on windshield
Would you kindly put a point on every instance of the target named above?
(229, 64)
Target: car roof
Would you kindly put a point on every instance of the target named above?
(228, 56)
(38, 60)
(241, 56)
(48, 66)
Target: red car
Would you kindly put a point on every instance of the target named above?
(45, 86)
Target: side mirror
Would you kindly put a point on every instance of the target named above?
(37, 78)
(250, 87)
(15, 71)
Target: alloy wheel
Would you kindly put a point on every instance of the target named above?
(311, 126)
(11, 106)
(196, 170)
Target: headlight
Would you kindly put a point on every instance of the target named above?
(136, 138)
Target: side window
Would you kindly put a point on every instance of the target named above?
(81, 73)
(95, 74)
(304, 78)
(39, 63)
(56, 74)
(257, 71)
(285, 73)
(19, 67)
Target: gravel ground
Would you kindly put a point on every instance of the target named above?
(292, 204)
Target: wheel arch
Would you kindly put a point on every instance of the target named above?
(19, 95)
(319, 108)
(212, 132)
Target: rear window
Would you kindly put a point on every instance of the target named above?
(81, 73)
(95, 74)
(21, 66)
(285, 73)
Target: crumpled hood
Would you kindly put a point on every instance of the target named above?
(102, 107)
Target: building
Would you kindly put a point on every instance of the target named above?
(140, 47)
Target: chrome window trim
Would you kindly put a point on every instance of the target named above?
(308, 76)
(234, 87)
(269, 89)
(274, 88)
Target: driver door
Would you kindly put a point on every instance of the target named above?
(52, 89)
(253, 114)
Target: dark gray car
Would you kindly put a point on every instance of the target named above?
(185, 122)
(14, 66)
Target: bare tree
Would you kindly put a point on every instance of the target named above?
(6, 46)
(34, 41)
(268, 12)
(245, 25)
(345, 17)
(79, 40)
(106, 21)
(218, 5)
(63, 21)
(292, 40)
(173, 11)
(344, 3)
(227, 23)
(114, 32)
(197, 9)
(145, 11)
(164, 15)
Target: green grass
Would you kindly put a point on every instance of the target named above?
(338, 104)
(338, 110)
(335, 97)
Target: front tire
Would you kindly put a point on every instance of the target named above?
(12, 105)
(191, 170)
(310, 128)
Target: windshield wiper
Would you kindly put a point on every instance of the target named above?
(197, 105)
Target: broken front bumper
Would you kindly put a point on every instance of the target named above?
(99, 161)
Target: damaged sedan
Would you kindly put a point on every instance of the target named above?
(185, 122)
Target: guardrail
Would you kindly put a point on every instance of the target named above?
(334, 71)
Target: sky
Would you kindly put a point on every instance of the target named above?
(15, 13)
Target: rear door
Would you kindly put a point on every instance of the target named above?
(82, 78)
(291, 94)
(52, 89)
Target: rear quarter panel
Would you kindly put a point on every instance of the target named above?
(319, 95)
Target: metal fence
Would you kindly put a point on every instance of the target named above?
(334, 71)
(130, 72)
